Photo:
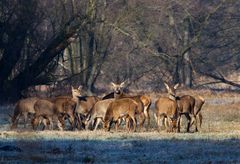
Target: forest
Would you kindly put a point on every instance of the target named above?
(60, 43)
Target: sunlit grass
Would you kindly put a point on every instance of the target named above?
(217, 141)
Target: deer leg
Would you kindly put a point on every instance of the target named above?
(179, 124)
(109, 125)
(90, 122)
(71, 121)
(46, 123)
(169, 124)
(158, 122)
(119, 121)
(25, 116)
(142, 118)
(35, 122)
(61, 122)
(164, 122)
(128, 123)
(15, 121)
(189, 121)
(78, 122)
(195, 123)
(133, 118)
(116, 126)
(97, 123)
(50, 123)
(148, 119)
(200, 117)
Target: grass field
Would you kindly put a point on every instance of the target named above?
(217, 142)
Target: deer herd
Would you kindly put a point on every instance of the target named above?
(89, 112)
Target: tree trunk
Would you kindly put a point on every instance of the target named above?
(187, 69)
(30, 75)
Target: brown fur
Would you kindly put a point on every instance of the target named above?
(166, 108)
(124, 107)
(146, 100)
(186, 105)
(199, 102)
(66, 106)
(143, 107)
(47, 110)
(83, 106)
(23, 108)
(98, 112)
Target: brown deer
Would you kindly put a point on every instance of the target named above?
(97, 113)
(186, 106)
(118, 109)
(83, 106)
(143, 101)
(23, 108)
(66, 106)
(166, 108)
(47, 110)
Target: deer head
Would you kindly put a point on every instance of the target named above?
(76, 92)
(118, 88)
(171, 90)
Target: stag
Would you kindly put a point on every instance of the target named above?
(143, 101)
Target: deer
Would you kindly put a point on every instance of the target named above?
(186, 106)
(166, 110)
(118, 109)
(23, 108)
(66, 106)
(83, 106)
(143, 101)
(47, 110)
(97, 113)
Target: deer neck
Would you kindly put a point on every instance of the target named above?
(118, 95)
(76, 99)
(172, 97)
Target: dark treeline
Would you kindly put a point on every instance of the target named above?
(98, 41)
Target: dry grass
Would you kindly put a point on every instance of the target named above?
(218, 140)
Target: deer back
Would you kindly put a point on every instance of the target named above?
(120, 108)
(45, 108)
(86, 103)
(186, 104)
(166, 106)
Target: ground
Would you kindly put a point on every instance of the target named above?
(217, 142)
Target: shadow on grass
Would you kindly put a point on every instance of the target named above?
(121, 151)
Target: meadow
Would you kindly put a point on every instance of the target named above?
(218, 140)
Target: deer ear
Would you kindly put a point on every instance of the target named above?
(72, 87)
(176, 86)
(80, 87)
(166, 85)
(113, 84)
(122, 84)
